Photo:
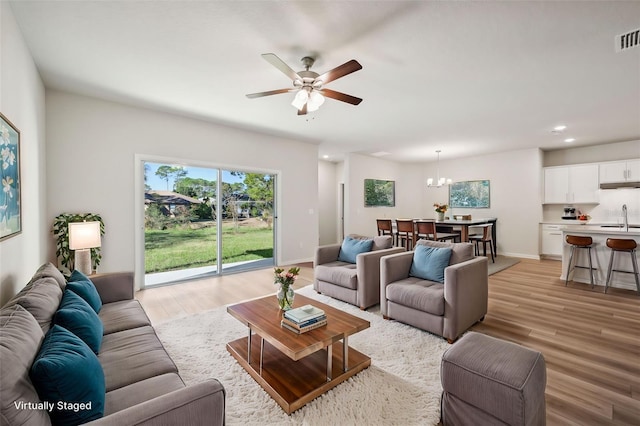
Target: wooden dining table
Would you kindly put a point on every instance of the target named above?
(465, 224)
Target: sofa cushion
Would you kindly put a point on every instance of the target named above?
(144, 390)
(460, 252)
(20, 338)
(79, 318)
(132, 355)
(339, 273)
(380, 242)
(80, 284)
(67, 371)
(41, 299)
(429, 263)
(352, 247)
(123, 315)
(48, 270)
(425, 296)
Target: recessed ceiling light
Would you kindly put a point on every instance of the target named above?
(569, 140)
(560, 128)
(380, 153)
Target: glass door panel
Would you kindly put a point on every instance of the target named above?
(180, 236)
(247, 224)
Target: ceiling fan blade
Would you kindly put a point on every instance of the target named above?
(340, 71)
(269, 93)
(340, 96)
(279, 63)
(303, 111)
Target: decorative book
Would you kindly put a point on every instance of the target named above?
(303, 313)
(291, 327)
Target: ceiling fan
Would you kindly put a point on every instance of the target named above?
(309, 85)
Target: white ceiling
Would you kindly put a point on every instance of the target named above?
(465, 77)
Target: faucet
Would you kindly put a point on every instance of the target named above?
(625, 217)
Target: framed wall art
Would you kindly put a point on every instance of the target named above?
(10, 210)
(472, 194)
(379, 193)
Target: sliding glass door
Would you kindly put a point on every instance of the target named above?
(204, 221)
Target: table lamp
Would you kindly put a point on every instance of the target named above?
(82, 237)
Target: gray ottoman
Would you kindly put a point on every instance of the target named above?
(488, 381)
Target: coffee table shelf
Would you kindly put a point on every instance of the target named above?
(295, 369)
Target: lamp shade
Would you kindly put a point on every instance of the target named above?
(84, 235)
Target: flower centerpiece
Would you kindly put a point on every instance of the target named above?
(284, 280)
(441, 209)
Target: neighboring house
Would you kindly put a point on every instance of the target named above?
(168, 200)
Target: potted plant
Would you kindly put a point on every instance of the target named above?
(440, 209)
(61, 232)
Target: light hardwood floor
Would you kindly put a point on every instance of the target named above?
(590, 340)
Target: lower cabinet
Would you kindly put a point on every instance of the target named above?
(551, 237)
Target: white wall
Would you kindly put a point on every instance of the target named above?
(22, 102)
(91, 150)
(515, 191)
(409, 192)
(328, 202)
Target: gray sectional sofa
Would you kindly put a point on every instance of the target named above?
(141, 382)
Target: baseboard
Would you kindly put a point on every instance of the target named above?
(521, 255)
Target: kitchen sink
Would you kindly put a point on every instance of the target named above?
(619, 226)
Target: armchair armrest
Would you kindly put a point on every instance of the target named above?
(368, 267)
(326, 254)
(466, 291)
(200, 404)
(393, 268)
(114, 287)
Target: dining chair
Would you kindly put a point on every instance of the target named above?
(385, 227)
(405, 233)
(484, 238)
(426, 230)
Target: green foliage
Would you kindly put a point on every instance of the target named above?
(61, 232)
(378, 193)
(166, 172)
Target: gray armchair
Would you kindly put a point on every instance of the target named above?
(355, 283)
(446, 309)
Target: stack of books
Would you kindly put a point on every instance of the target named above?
(303, 319)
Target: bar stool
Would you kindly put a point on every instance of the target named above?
(580, 242)
(623, 245)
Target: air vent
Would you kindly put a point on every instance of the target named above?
(628, 40)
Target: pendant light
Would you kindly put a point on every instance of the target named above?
(439, 181)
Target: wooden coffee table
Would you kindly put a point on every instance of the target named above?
(296, 368)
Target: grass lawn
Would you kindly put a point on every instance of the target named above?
(174, 249)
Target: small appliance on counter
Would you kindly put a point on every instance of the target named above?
(569, 213)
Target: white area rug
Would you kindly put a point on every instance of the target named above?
(401, 387)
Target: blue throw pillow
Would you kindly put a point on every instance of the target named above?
(68, 375)
(81, 285)
(78, 317)
(429, 262)
(351, 247)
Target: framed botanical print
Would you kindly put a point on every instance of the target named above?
(473, 194)
(10, 209)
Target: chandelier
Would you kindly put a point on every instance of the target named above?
(439, 181)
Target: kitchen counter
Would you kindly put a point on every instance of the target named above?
(601, 255)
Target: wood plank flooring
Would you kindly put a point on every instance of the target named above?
(590, 340)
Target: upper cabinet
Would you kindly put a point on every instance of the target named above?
(571, 184)
(620, 171)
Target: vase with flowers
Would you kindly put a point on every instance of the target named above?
(440, 209)
(284, 280)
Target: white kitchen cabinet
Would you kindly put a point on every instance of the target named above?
(620, 171)
(551, 236)
(571, 184)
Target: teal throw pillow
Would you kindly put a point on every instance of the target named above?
(68, 376)
(429, 262)
(78, 317)
(81, 285)
(352, 247)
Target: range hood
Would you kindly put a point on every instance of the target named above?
(618, 185)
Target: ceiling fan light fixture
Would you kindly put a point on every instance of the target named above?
(300, 99)
(314, 102)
